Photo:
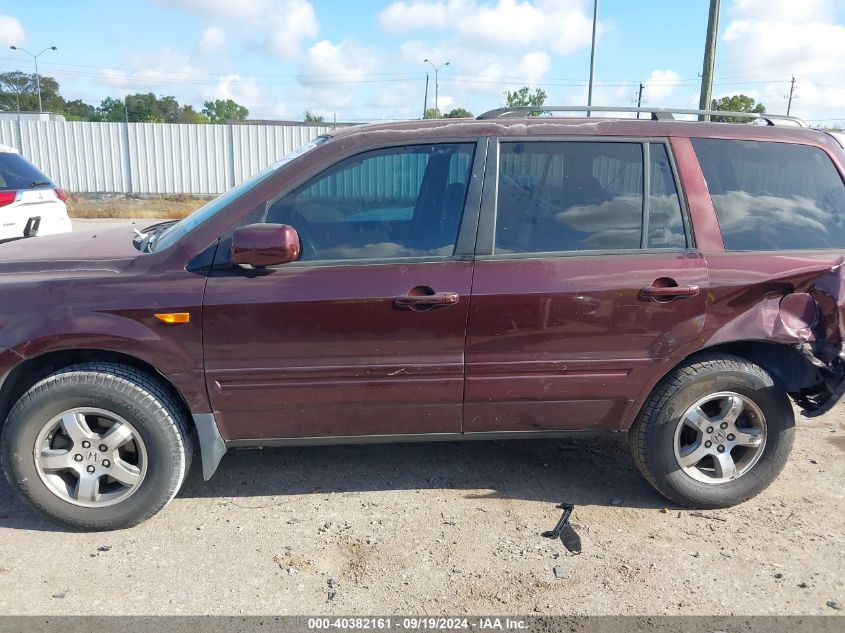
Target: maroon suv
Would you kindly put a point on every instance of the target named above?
(506, 277)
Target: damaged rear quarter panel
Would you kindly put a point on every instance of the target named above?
(796, 299)
(793, 300)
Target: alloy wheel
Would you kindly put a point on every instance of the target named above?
(90, 457)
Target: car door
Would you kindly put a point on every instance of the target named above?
(586, 284)
(364, 336)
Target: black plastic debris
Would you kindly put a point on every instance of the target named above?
(564, 531)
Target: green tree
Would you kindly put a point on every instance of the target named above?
(17, 88)
(220, 111)
(187, 114)
(432, 113)
(736, 103)
(310, 117)
(143, 108)
(458, 113)
(148, 108)
(78, 110)
(524, 97)
(112, 110)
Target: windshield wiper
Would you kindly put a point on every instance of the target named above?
(145, 244)
(41, 183)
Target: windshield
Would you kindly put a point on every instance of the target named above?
(166, 234)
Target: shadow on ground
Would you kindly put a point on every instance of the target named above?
(580, 470)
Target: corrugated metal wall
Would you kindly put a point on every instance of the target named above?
(390, 174)
(151, 158)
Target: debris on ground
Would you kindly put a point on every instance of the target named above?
(564, 531)
(701, 515)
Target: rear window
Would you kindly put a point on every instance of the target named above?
(16, 173)
(773, 196)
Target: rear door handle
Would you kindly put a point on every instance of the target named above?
(426, 301)
(669, 291)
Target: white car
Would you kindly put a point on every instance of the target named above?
(30, 204)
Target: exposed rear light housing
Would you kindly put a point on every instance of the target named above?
(61, 194)
(7, 197)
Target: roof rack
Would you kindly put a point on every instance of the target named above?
(656, 114)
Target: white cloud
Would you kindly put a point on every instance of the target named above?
(243, 90)
(165, 72)
(278, 26)
(493, 45)
(213, 39)
(802, 10)
(486, 72)
(11, 31)
(330, 73)
(562, 26)
(771, 40)
(660, 86)
(345, 61)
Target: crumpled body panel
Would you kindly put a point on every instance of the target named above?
(805, 309)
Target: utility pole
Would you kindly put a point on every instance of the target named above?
(790, 97)
(592, 55)
(704, 103)
(640, 98)
(425, 99)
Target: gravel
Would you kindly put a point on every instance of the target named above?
(446, 528)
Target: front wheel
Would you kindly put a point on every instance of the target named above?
(714, 433)
(96, 446)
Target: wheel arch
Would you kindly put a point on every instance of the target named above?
(782, 361)
(31, 370)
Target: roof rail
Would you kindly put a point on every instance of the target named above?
(656, 114)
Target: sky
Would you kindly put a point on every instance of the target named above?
(363, 59)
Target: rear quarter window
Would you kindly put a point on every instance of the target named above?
(16, 173)
(773, 196)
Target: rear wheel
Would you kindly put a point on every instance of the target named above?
(97, 446)
(714, 433)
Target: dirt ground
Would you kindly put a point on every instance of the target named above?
(446, 529)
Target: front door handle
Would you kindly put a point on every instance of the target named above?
(420, 299)
(667, 292)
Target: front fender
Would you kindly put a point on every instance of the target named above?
(175, 351)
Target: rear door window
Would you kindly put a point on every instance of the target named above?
(773, 196)
(16, 173)
(569, 196)
(665, 216)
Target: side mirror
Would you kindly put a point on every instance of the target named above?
(260, 245)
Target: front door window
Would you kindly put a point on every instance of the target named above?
(395, 202)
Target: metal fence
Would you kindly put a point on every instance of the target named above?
(152, 158)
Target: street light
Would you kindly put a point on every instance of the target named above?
(35, 59)
(436, 69)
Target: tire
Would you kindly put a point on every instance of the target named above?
(80, 405)
(670, 433)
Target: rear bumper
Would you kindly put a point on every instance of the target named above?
(52, 219)
(52, 226)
